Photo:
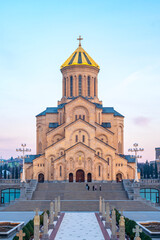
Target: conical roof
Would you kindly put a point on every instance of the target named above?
(80, 57)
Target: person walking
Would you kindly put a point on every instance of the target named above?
(93, 188)
(100, 188)
(88, 187)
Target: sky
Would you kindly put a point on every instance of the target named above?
(36, 37)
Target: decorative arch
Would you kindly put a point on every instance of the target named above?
(119, 176)
(89, 177)
(80, 175)
(80, 112)
(70, 177)
(99, 171)
(61, 152)
(80, 135)
(103, 138)
(56, 138)
(40, 177)
(120, 139)
(99, 152)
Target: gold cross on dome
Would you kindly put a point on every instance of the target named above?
(79, 39)
(21, 234)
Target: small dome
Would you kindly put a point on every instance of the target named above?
(80, 57)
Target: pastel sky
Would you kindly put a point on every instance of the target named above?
(36, 37)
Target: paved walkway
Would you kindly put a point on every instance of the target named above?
(82, 226)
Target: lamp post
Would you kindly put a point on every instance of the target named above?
(23, 149)
(135, 149)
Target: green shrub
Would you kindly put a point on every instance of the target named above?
(129, 225)
(26, 231)
(16, 238)
(30, 229)
(31, 222)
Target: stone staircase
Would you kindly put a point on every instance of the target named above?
(75, 197)
(77, 191)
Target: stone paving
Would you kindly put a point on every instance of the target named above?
(82, 226)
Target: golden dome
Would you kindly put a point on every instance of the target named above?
(80, 57)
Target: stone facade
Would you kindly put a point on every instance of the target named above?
(79, 140)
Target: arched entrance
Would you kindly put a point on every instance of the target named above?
(89, 177)
(80, 176)
(119, 177)
(71, 177)
(41, 178)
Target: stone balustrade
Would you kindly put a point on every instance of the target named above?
(10, 181)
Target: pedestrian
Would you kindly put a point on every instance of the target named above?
(100, 188)
(88, 187)
(93, 188)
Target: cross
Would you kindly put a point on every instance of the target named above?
(36, 210)
(21, 234)
(137, 230)
(79, 40)
(121, 212)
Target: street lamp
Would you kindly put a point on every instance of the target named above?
(135, 149)
(23, 149)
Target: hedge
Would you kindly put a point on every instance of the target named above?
(129, 225)
(28, 229)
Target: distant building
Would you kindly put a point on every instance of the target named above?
(157, 151)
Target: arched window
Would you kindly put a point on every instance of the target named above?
(80, 85)
(88, 86)
(94, 86)
(83, 138)
(60, 118)
(76, 138)
(40, 147)
(60, 171)
(99, 170)
(71, 86)
(64, 86)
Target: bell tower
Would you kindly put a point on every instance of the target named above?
(79, 76)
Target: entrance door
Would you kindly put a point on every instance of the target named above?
(119, 177)
(80, 176)
(71, 177)
(89, 177)
(41, 178)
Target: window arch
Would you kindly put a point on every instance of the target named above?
(80, 85)
(83, 138)
(94, 86)
(99, 170)
(88, 86)
(71, 86)
(64, 86)
(60, 171)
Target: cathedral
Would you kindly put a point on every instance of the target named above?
(80, 139)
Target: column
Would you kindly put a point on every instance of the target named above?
(36, 226)
(45, 227)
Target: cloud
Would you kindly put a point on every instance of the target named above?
(141, 121)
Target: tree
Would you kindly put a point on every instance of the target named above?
(156, 171)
